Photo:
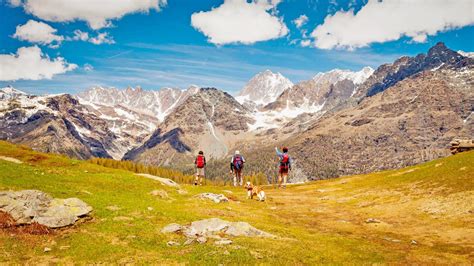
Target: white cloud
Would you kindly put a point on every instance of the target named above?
(300, 21)
(38, 32)
(239, 21)
(306, 43)
(97, 13)
(88, 67)
(80, 36)
(102, 38)
(30, 63)
(390, 20)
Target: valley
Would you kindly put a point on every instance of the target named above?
(337, 123)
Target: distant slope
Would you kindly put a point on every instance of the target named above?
(352, 220)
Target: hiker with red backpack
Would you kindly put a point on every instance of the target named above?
(284, 166)
(200, 163)
(237, 164)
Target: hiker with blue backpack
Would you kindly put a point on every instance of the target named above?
(236, 165)
(284, 166)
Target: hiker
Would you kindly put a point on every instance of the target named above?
(284, 166)
(237, 164)
(200, 163)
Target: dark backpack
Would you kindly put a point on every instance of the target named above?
(238, 162)
(200, 161)
(285, 161)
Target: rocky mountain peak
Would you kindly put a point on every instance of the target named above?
(264, 88)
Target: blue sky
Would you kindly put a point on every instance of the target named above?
(161, 48)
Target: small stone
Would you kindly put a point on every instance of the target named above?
(161, 193)
(223, 242)
(173, 244)
(372, 221)
(217, 198)
(188, 241)
(413, 242)
(150, 208)
(201, 240)
(47, 249)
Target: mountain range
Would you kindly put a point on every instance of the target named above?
(335, 123)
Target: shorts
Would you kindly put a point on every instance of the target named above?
(283, 171)
(200, 172)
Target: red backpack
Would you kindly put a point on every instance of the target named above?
(200, 161)
(285, 161)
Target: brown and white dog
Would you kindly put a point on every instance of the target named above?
(255, 191)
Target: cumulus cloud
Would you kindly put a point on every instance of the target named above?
(239, 21)
(390, 20)
(102, 37)
(30, 63)
(300, 21)
(97, 13)
(38, 32)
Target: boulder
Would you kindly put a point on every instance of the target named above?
(214, 227)
(30, 206)
(217, 198)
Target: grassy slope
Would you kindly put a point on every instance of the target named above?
(320, 222)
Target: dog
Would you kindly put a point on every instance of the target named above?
(255, 191)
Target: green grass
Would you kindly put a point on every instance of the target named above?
(319, 223)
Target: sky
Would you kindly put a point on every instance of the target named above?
(59, 46)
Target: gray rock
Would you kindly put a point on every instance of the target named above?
(163, 181)
(29, 206)
(172, 228)
(214, 226)
(372, 221)
(173, 244)
(217, 198)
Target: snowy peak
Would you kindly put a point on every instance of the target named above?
(264, 88)
(10, 93)
(336, 75)
(466, 54)
(156, 103)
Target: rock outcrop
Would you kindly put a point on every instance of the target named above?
(215, 228)
(30, 206)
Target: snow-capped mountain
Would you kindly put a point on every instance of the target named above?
(263, 88)
(156, 103)
(56, 123)
(9, 93)
(335, 75)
